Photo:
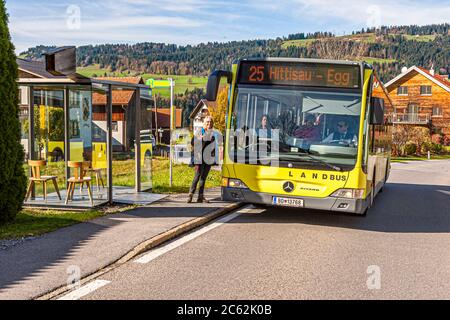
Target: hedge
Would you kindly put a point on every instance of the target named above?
(12, 176)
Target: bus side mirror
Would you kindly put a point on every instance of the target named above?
(212, 87)
(377, 111)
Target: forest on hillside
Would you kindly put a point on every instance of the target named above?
(387, 48)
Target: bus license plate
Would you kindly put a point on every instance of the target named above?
(288, 202)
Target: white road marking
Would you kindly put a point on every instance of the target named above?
(85, 290)
(153, 254)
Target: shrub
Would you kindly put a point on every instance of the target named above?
(435, 148)
(12, 176)
(410, 149)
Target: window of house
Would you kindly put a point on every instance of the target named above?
(402, 91)
(20, 96)
(74, 129)
(425, 90)
(115, 126)
(437, 111)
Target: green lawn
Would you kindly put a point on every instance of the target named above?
(124, 175)
(182, 83)
(297, 43)
(421, 158)
(420, 38)
(182, 177)
(30, 223)
(92, 70)
(365, 37)
(375, 60)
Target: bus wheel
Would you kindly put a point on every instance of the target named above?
(372, 193)
(364, 214)
(260, 205)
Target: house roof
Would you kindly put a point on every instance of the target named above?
(202, 103)
(437, 79)
(36, 68)
(119, 97)
(383, 88)
(164, 118)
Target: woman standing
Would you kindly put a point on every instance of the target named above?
(203, 158)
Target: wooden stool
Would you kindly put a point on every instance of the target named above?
(98, 177)
(78, 178)
(36, 177)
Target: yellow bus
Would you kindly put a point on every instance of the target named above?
(303, 133)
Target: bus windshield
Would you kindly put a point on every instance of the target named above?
(311, 127)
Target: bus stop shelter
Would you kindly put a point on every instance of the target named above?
(61, 124)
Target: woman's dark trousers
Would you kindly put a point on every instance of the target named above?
(201, 174)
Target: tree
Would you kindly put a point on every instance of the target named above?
(219, 110)
(400, 137)
(419, 136)
(12, 176)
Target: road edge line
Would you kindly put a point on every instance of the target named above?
(146, 246)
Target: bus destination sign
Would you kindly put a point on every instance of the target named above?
(299, 74)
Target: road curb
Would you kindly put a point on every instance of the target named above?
(147, 245)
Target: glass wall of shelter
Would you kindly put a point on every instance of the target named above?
(73, 129)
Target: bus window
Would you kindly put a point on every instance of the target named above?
(322, 123)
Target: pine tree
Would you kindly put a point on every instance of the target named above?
(12, 175)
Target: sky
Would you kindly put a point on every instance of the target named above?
(84, 22)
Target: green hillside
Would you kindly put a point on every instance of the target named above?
(387, 48)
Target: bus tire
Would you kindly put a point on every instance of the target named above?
(364, 214)
(260, 205)
(372, 193)
(386, 177)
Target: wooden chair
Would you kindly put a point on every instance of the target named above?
(98, 176)
(37, 177)
(79, 170)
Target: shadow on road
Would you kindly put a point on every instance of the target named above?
(55, 251)
(401, 208)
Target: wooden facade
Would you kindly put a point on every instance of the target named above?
(421, 98)
(379, 91)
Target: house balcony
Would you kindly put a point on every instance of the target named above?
(410, 118)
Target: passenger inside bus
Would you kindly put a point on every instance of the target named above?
(342, 134)
(263, 130)
(309, 130)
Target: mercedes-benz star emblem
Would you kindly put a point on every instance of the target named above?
(288, 187)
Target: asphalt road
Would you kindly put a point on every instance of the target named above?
(401, 250)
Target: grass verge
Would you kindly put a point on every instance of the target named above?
(182, 177)
(417, 158)
(31, 223)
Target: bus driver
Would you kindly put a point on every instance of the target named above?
(342, 134)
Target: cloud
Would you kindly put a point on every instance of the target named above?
(34, 22)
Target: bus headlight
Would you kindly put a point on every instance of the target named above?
(233, 183)
(349, 193)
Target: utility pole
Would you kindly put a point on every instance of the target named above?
(156, 122)
(159, 84)
(172, 128)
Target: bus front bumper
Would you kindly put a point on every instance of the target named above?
(344, 205)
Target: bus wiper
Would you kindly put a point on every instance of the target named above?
(307, 153)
